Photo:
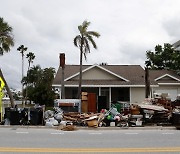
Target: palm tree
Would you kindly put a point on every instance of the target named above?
(30, 56)
(22, 49)
(6, 37)
(82, 41)
(6, 41)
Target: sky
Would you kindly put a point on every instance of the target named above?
(128, 29)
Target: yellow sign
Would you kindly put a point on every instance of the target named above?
(2, 84)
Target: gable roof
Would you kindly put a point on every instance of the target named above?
(176, 44)
(160, 75)
(167, 75)
(100, 67)
(129, 75)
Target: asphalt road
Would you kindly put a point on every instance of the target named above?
(30, 140)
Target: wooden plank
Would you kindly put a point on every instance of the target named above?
(92, 106)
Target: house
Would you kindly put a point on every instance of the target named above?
(117, 82)
(167, 81)
(176, 45)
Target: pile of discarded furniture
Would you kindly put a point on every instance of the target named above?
(155, 111)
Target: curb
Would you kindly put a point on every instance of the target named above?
(93, 128)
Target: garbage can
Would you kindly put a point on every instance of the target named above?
(15, 117)
(36, 116)
(176, 119)
(7, 113)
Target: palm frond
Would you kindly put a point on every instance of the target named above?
(5, 47)
(83, 28)
(77, 40)
(85, 57)
(86, 45)
(85, 24)
(92, 41)
(93, 33)
(80, 29)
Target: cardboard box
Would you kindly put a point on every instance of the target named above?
(84, 98)
(84, 93)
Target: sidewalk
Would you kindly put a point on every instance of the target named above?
(92, 128)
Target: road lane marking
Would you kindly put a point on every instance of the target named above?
(131, 133)
(22, 132)
(95, 133)
(57, 133)
(167, 133)
(95, 150)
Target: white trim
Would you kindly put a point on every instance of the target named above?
(76, 74)
(168, 76)
(169, 84)
(56, 85)
(112, 73)
(100, 68)
(138, 86)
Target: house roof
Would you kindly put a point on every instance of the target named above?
(100, 67)
(176, 44)
(126, 75)
(164, 76)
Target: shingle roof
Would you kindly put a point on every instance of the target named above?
(176, 44)
(154, 74)
(133, 73)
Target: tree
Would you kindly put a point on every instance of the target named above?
(163, 58)
(6, 42)
(83, 41)
(40, 85)
(6, 37)
(30, 56)
(22, 50)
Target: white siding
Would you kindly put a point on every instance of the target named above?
(173, 91)
(137, 95)
(97, 74)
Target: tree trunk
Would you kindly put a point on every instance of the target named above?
(7, 89)
(22, 78)
(147, 83)
(80, 74)
(62, 84)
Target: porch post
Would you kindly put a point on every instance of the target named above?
(99, 91)
(110, 97)
(60, 93)
(152, 95)
(130, 95)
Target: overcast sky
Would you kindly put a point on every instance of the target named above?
(128, 29)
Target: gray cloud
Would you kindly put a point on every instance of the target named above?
(128, 28)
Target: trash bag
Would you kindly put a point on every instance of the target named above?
(48, 114)
(51, 122)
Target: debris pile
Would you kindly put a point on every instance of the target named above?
(158, 110)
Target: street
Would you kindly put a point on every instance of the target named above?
(33, 140)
